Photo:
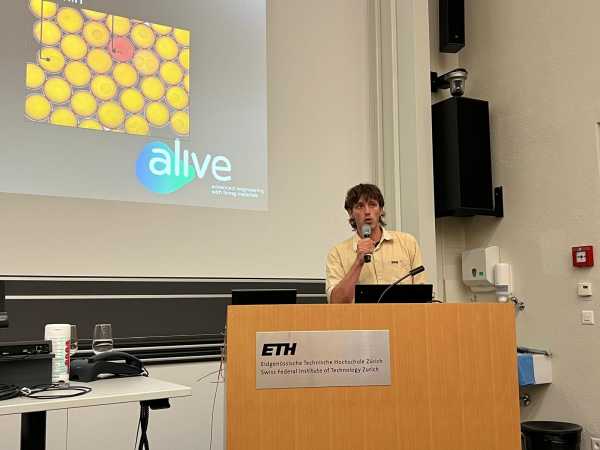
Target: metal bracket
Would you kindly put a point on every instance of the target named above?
(159, 403)
(518, 303)
(435, 84)
(534, 351)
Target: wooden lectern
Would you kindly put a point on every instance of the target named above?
(454, 381)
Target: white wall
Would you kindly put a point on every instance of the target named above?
(320, 136)
(535, 63)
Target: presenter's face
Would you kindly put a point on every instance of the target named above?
(366, 211)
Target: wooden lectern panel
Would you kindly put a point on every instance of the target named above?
(454, 381)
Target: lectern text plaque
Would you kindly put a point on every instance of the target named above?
(292, 359)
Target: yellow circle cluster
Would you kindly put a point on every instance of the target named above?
(69, 19)
(34, 76)
(78, 74)
(47, 32)
(104, 72)
(73, 47)
(43, 9)
(103, 87)
(118, 25)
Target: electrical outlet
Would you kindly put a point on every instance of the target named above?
(595, 443)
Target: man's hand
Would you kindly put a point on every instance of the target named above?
(364, 247)
(343, 292)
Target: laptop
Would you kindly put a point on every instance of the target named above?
(401, 293)
(263, 296)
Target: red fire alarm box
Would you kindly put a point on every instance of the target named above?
(583, 256)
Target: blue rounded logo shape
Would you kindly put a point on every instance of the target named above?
(162, 170)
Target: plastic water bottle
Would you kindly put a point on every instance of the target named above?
(60, 335)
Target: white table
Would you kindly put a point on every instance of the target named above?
(104, 392)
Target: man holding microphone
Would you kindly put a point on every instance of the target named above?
(373, 255)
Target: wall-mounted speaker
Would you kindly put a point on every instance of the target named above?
(452, 25)
(462, 160)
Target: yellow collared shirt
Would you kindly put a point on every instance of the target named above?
(394, 256)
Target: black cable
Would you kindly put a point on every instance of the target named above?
(411, 273)
(8, 391)
(212, 414)
(219, 375)
(41, 388)
(143, 426)
(37, 392)
(143, 422)
(137, 435)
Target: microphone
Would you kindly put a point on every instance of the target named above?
(366, 233)
(411, 273)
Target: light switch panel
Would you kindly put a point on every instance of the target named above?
(587, 317)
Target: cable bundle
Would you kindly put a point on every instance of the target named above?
(143, 427)
(41, 391)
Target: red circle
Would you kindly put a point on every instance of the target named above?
(121, 49)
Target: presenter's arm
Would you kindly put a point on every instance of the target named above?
(340, 284)
(343, 292)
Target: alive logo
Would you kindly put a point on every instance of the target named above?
(164, 170)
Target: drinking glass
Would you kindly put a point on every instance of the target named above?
(103, 340)
(74, 340)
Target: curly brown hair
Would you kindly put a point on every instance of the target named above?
(366, 192)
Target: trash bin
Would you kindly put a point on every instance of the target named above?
(546, 435)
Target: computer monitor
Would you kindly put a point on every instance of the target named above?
(263, 296)
(401, 293)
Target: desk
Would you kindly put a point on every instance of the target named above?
(104, 392)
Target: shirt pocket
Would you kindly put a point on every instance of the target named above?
(398, 268)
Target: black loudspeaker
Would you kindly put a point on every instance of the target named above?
(452, 25)
(26, 370)
(462, 162)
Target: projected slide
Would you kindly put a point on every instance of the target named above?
(105, 100)
(106, 72)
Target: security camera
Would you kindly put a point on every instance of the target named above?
(454, 80)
